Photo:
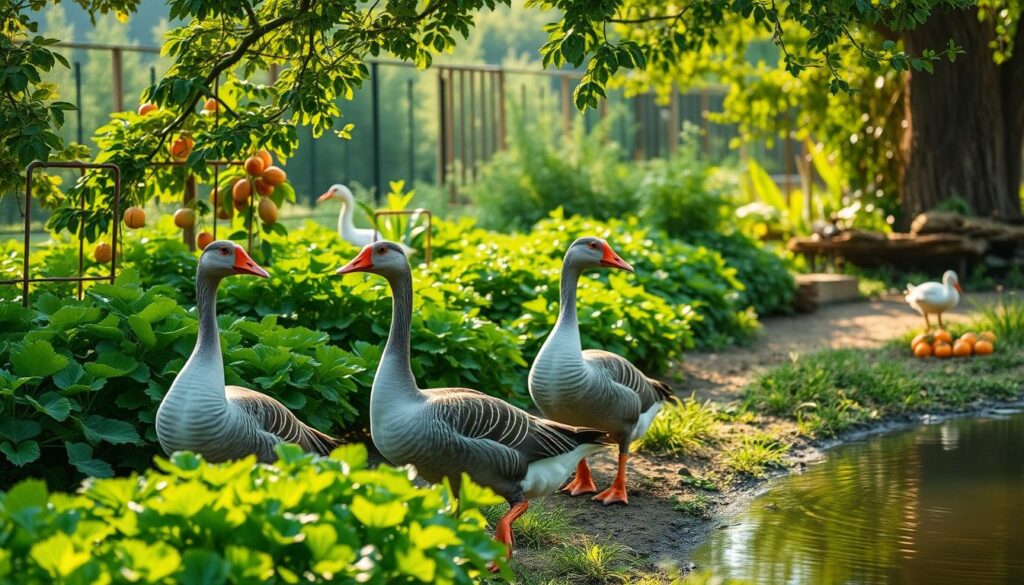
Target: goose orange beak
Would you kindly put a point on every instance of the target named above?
(360, 263)
(326, 196)
(958, 288)
(612, 260)
(245, 265)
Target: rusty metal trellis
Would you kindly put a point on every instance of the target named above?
(26, 278)
(427, 252)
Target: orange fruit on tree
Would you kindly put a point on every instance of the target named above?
(241, 190)
(943, 350)
(274, 175)
(184, 218)
(134, 217)
(968, 337)
(988, 336)
(182, 147)
(147, 108)
(923, 349)
(268, 211)
(103, 252)
(265, 157)
(962, 348)
(262, 187)
(220, 211)
(225, 213)
(942, 335)
(203, 240)
(210, 105)
(983, 347)
(254, 166)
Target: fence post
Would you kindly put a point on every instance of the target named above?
(442, 135)
(705, 122)
(78, 101)
(501, 109)
(115, 55)
(189, 234)
(566, 120)
(673, 127)
(375, 114)
(412, 134)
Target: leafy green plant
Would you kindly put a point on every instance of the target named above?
(544, 524)
(697, 505)
(80, 381)
(754, 454)
(1005, 318)
(684, 427)
(589, 561)
(321, 520)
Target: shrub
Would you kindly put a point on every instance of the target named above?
(768, 287)
(80, 381)
(318, 520)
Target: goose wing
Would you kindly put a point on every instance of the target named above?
(620, 370)
(930, 294)
(475, 415)
(273, 417)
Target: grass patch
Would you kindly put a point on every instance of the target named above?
(542, 525)
(707, 484)
(697, 505)
(1005, 319)
(684, 427)
(755, 453)
(589, 562)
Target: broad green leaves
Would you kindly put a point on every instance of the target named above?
(330, 520)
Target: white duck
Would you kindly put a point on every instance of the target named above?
(935, 298)
(445, 432)
(199, 413)
(593, 388)
(346, 227)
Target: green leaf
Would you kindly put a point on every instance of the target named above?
(384, 515)
(37, 359)
(112, 364)
(157, 310)
(143, 330)
(98, 428)
(203, 567)
(19, 430)
(69, 317)
(21, 453)
(80, 455)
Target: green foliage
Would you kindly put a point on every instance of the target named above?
(588, 561)
(684, 427)
(754, 454)
(81, 380)
(321, 520)
(543, 525)
(697, 505)
(1005, 319)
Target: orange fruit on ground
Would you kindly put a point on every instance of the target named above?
(134, 217)
(923, 349)
(254, 166)
(942, 335)
(268, 211)
(983, 347)
(103, 253)
(241, 190)
(147, 108)
(265, 156)
(210, 105)
(943, 350)
(968, 337)
(184, 218)
(262, 187)
(182, 147)
(962, 348)
(988, 336)
(203, 240)
(918, 339)
(274, 175)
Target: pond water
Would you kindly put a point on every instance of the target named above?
(942, 503)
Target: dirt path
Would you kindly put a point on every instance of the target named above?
(720, 376)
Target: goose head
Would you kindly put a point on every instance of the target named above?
(591, 252)
(223, 258)
(337, 191)
(949, 278)
(383, 258)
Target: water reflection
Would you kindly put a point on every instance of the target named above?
(941, 504)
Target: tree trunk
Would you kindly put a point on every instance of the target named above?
(966, 120)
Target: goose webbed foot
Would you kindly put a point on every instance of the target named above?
(503, 532)
(583, 483)
(616, 494)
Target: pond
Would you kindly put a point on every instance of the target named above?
(943, 503)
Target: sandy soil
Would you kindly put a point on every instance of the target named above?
(650, 526)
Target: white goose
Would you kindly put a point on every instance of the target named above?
(201, 414)
(934, 297)
(593, 388)
(445, 432)
(346, 227)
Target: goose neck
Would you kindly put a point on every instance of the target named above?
(395, 371)
(567, 296)
(208, 340)
(345, 224)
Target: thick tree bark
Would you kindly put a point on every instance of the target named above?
(966, 121)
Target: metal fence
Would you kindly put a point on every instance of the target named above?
(437, 126)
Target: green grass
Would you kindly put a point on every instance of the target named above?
(707, 484)
(542, 525)
(755, 453)
(686, 427)
(587, 562)
(1005, 319)
(697, 505)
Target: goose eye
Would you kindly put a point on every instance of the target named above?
(224, 251)
(593, 245)
(382, 250)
